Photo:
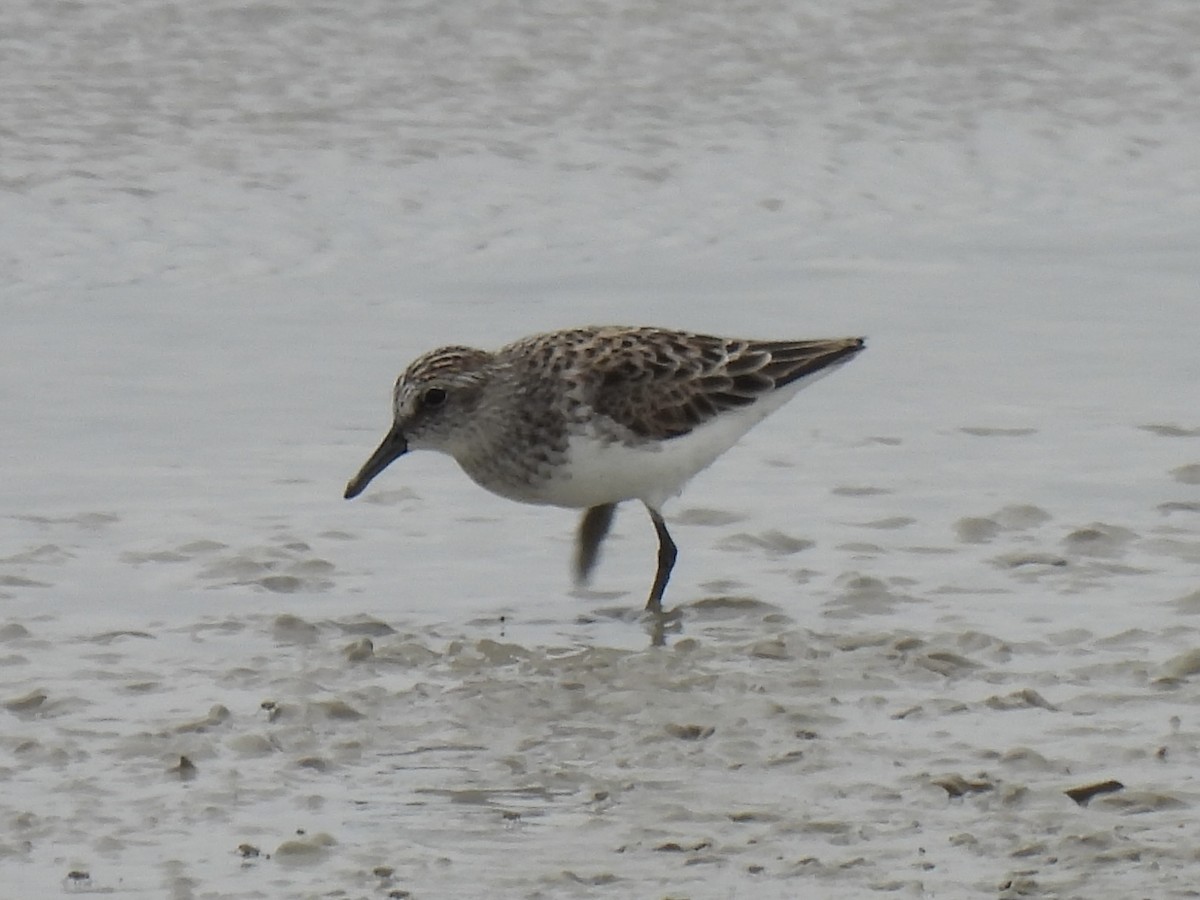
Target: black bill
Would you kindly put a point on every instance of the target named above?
(393, 447)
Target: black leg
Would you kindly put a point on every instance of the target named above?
(593, 528)
(667, 552)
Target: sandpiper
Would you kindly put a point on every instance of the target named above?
(589, 417)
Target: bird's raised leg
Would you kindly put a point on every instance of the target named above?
(593, 528)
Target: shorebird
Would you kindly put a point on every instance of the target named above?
(589, 417)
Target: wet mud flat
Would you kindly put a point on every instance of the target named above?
(249, 756)
(938, 630)
(994, 701)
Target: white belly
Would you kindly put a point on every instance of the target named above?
(598, 472)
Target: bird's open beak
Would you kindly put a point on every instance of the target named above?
(393, 447)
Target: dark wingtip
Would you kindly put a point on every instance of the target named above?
(854, 344)
(791, 361)
(849, 347)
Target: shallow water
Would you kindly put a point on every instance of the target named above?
(917, 605)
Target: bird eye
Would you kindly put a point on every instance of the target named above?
(433, 398)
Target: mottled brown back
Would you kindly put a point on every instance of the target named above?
(661, 384)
